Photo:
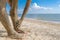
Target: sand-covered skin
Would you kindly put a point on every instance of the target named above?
(36, 30)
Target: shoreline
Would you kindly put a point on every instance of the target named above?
(42, 20)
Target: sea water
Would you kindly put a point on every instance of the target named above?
(47, 17)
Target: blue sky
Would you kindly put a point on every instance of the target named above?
(39, 7)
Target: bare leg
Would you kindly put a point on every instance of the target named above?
(13, 14)
(5, 21)
(18, 23)
(24, 13)
(3, 16)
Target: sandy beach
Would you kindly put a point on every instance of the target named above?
(36, 30)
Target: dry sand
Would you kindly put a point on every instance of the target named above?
(36, 30)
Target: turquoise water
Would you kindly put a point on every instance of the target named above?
(47, 17)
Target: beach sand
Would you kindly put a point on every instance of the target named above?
(35, 30)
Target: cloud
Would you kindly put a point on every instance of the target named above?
(36, 6)
(59, 5)
(19, 11)
(37, 9)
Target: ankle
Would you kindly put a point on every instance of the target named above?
(19, 31)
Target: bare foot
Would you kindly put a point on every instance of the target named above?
(16, 35)
(19, 31)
